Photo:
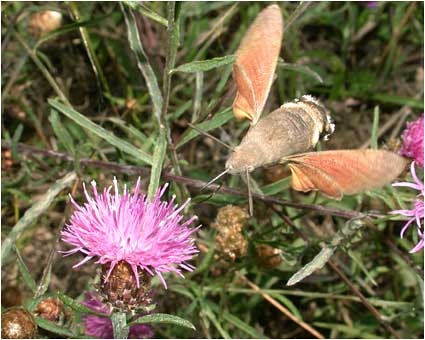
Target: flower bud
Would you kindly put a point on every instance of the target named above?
(120, 289)
(17, 323)
(44, 22)
(50, 309)
(268, 257)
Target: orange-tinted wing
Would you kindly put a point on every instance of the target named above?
(255, 63)
(340, 172)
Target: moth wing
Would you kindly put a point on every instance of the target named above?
(350, 171)
(255, 64)
(306, 178)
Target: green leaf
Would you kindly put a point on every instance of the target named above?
(375, 127)
(54, 328)
(78, 306)
(218, 120)
(163, 318)
(23, 269)
(34, 212)
(61, 133)
(276, 187)
(204, 65)
(158, 160)
(303, 69)
(119, 325)
(142, 61)
(101, 132)
(344, 235)
(243, 326)
(146, 11)
(15, 139)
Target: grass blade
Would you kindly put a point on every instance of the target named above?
(54, 328)
(101, 132)
(34, 212)
(23, 269)
(218, 120)
(164, 318)
(61, 133)
(204, 65)
(142, 60)
(375, 127)
(78, 306)
(158, 160)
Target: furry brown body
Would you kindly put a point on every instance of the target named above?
(293, 128)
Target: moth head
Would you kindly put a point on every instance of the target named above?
(241, 161)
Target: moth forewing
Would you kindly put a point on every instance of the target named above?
(255, 63)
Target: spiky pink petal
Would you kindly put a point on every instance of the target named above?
(413, 141)
(117, 227)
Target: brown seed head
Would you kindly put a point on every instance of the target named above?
(268, 257)
(17, 323)
(50, 309)
(11, 296)
(44, 22)
(120, 290)
(229, 223)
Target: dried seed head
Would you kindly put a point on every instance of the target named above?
(120, 290)
(6, 160)
(268, 257)
(41, 23)
(232, 244)
(17, 323)
(231, 217)
(229, 223)
(11, 296)
(393, 144)
(50, 309)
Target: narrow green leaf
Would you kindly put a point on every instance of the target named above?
(158, 160)
(146, 11)
(163, 318)
(204, 65)
(344, 235)
(119, 325)
(375, 127)
(23, 269)
(54, 328)
(218, 120)
(142, 61)
(243, 326)
(34, 212)
(61, 133)
(78, 306)
(101, 132)
(15, 139)
(398, 100)
(276, 187)
(303, 69)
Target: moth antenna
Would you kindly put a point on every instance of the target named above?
(202, 132)
(250, 203)
(215, 178)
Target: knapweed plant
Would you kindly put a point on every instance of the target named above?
(116, 116)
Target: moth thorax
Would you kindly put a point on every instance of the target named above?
(323, 124)
(120, 289)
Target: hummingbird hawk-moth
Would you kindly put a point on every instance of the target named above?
(285, 135)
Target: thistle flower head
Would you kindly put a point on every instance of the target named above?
(413, 141)
(116, 227)
(101, 327)
(417, 212)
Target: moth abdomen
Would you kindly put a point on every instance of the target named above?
(293, 128)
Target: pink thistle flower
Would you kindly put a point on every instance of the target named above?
(415, 214)
(101, 327)
(147, 235)
(413, 141)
